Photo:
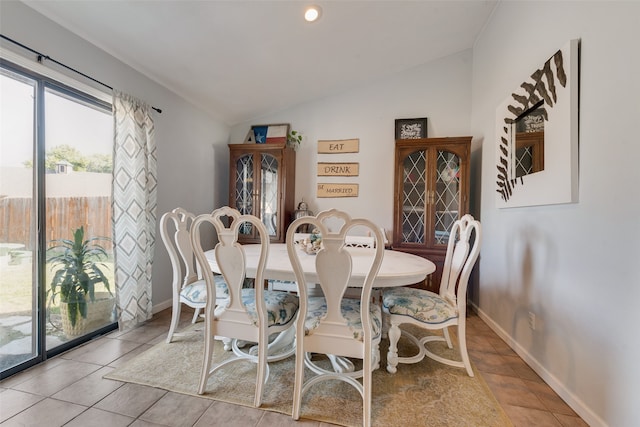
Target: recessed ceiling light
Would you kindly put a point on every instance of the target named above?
(312, 13)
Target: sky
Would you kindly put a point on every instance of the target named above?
(67, 122)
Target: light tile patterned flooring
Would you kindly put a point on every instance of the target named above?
(68, 390)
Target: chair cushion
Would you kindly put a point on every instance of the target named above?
(281, 306)
(421, 305)
(196, 292)
(317, 308)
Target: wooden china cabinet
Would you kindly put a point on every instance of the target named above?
(262, 183)
(431, 188)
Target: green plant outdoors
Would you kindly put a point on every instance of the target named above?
(77, 269)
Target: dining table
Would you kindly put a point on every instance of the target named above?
(397, 269)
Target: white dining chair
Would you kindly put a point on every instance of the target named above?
(248, 314)
(432, 311)
(287, 285)
(332, 324)
(188, 287)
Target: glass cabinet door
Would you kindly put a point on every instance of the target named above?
(262, 184)
(269, 193)
(414, 192)
(244, 189)
(430, 204)
(256, 191)
(431, 192)
(446, 195)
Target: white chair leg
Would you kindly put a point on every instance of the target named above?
(226, 343)
(297, 386)
(366, 393)
(206, 363)
(447, 337)
(196, 313)
(392, 355)
(386, 320)
(462, 342)
(376, 356)
(175, 319)
(262, 367)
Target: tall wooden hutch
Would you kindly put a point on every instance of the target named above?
(431, 188)
(262, 183)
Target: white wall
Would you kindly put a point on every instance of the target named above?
(191, 146)
(439, 91)
(575, 265)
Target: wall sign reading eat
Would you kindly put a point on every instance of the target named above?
(338, 146)
(337, 190)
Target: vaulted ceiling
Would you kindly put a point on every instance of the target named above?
(242, 59)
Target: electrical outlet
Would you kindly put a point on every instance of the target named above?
(532, 320)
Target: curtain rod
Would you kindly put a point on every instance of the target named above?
(42, 56)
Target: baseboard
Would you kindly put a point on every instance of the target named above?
(572, 400)
(161, 306)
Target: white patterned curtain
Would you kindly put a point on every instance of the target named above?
(134, 208)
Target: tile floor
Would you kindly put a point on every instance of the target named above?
(68, 390)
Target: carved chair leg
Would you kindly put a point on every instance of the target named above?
(392, 354)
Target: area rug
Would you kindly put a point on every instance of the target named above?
(422, 394)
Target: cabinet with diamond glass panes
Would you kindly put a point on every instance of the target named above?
(431, 192)
(262, 183)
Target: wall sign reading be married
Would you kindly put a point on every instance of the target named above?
(337, 190)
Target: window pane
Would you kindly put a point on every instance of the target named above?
(18, 324)
(78, 163)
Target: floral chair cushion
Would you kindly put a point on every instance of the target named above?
(281, 306)
(317, 308)
(196, 292)
(421, 305)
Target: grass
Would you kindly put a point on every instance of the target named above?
(16, 290)
(16, 287)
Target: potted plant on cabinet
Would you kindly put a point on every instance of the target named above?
(77, 269)
(294, 139)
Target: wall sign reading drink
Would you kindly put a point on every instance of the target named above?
(338, 169)
(337, 190)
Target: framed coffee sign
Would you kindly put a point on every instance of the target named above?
(411, 128)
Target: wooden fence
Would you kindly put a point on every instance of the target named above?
(64, 214)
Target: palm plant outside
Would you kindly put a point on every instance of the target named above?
(77, 269)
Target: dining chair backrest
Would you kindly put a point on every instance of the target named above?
(332, 324)
(186, 287)
(463, 249)
(231, 261)
(250, 313)
(178, 246)
(333, 261)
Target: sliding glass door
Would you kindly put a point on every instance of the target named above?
(18, 290)
(56, 283)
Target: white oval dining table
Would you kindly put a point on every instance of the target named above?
(397, 269)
